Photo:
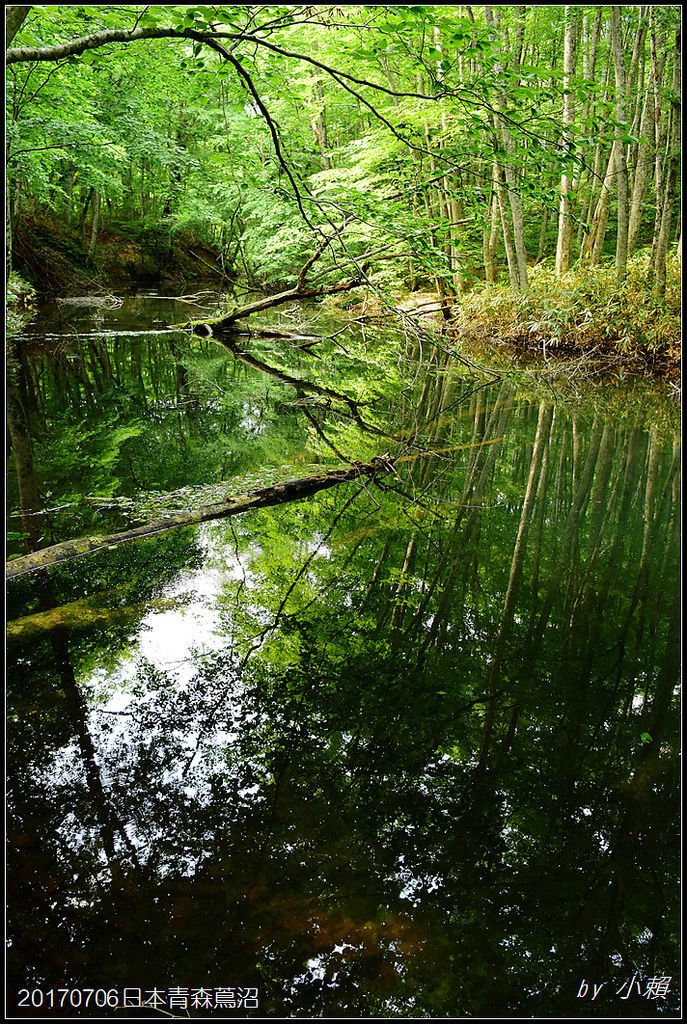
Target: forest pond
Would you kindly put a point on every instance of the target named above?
(405, 748)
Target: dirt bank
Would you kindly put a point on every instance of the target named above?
(55, 257)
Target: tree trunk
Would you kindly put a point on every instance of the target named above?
(14, 19)
(271, 301)
(594, 241)
(490, 239)
(505, 138)
(9, 229)
(642, 173)
(511, 258)
(657, 69)
(620, 147)
(95, 224)
(670, 178)
(590, 48)
(569, 61)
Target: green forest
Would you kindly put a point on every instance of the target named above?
(343, 516)
(520, 162)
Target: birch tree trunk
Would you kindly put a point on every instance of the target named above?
(594, 242)
(511, 182)
(490, 239)
(506, 230)
(591, 34)
(672, 162)
(596, 177)
(437, 212)
(642, 171)
(657, 41)
(620, 147)
(452, 207)
(564, 242)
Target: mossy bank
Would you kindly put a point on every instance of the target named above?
(57, 257)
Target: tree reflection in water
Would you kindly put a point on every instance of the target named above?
(421, 759)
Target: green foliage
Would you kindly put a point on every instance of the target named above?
(388, 117)
(19, 292)
(20, 297)
(581, 312)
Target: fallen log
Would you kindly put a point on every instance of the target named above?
(227, 321)
(290, 490)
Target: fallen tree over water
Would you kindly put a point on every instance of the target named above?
(298, 292)
(277, 494)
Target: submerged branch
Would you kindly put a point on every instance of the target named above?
(290, 490)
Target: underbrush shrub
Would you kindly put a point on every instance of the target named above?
(20, 298)
(580, 311)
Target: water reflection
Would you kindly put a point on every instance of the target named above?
(404, 750)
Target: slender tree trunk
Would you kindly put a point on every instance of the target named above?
(672, 166)
(512, 183)
(657, 42)
(452, 209)
(564, 216)
(594, 242)
(595, 177)
(543, 228)
(642, 172)
(620, 147)
(95, 224)
(506, 227)
(83, 212)
(635, 75)
(490, 239)
(437, 214)
(591, 35)
(9, 231)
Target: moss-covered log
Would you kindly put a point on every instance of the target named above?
(290, 490)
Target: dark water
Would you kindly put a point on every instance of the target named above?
(408, 748)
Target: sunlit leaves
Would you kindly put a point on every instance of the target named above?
(402, 91)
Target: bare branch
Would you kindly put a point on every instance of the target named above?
(248, 82)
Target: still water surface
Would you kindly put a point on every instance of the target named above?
(408, 748)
